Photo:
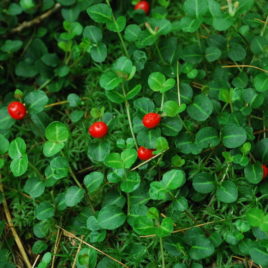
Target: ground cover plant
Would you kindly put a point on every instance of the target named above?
(133, 134)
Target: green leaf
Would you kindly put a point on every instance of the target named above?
(129, 157)
(73, 196)
(17, 148)
(207, 137)
(100, 13)
(201, 249)
(255, 217)
(36, 101)
(161, 145)
(261, 82)
(203, 183)
(195, 8)
(44, 211)
(259, 256)
(171, 108)
(11, 46)
(166, 227)
(98, 151)
(87, 257)
(111, 217)
(114, 160)
(131, 182)
(157, 82)
(201, 108)
(115, 96)
(173, 179)
(254, 173)
(264, 224)
(118, 25)
(93, 181)
(132, 32)
(148, 138)
(123, 67)
(212, 54)
(93, 33)
(6, 121)
(227, 192)
(4, 144)
(99, 52)
(171, 126)
(133, 92)
(233, 136)
(34, 187)
(236, 52)
(59, 168)
(109, 80)
(19, 166)
(158, 190)
(144, 225)
(144, 105)
(57, 132)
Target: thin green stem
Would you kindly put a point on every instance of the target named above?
(118, 33)
(36, 170)
(129, 117)
(264, 27)
(178, 82)
(159, 54)
(162, 252)
(162, 102)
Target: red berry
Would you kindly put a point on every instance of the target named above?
(98, 129)
(265, 171)
(16, 110)
(144, 153)
(144, 5)
(151, 120)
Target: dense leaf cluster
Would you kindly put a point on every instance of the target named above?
(201, 200)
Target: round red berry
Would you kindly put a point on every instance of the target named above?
(265, 171)
(144, 5)
(16, 110)
(144, 153)
(98, 129)
(151, 120)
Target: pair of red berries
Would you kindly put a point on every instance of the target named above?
(150, 120)
(143, 5)
(17, 110)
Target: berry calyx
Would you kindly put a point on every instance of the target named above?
(145, 153)
(16, 110)
(143, 5)
(265, 171)
(151, 120)
(98, 130)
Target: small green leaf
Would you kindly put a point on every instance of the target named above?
(57, 132)
(100, 13)
(253, 173)
(17, 148)
(73, 196)
(93, 181)
(227, 192)
(201, 108)
(44, 211)
(129, 157)
(52, 148)
(109, 80)
(19, 166)
(114, 160)
(233, 136)
(255, 217)
(203, 183)
(111, 217)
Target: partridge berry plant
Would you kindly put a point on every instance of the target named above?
(133, 133)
